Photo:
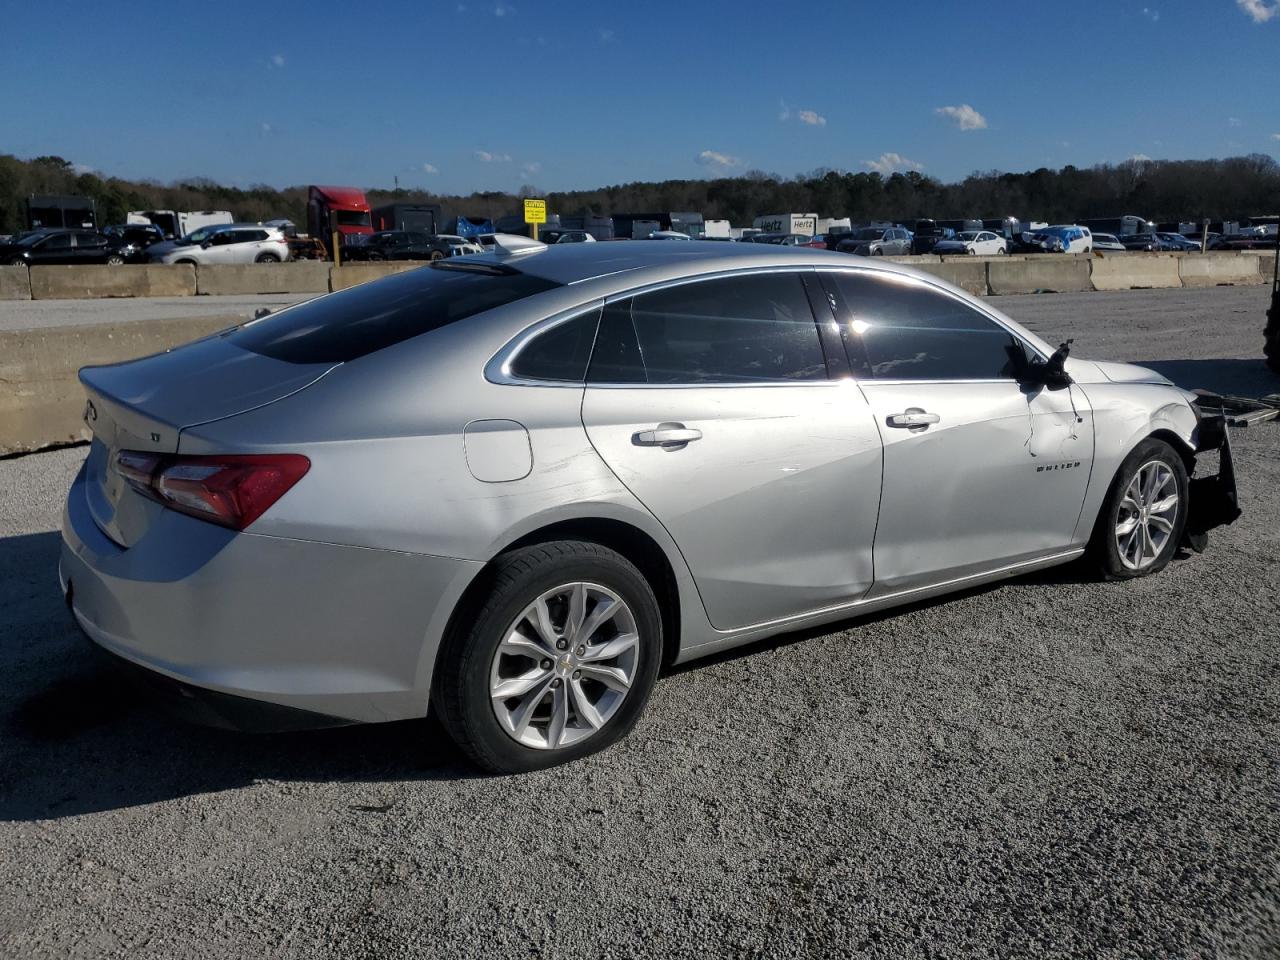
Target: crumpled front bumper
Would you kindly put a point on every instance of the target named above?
(1214, 500)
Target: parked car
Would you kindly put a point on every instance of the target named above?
(1065, 238)
(227, 243)
(1143, 242)
(1177, 242)
(784, 239)
(64, 247)
(877, 241)
(402, 245)
(406, 496)
(461, 246)
(1107, 242)
(980, 242)
(926, 234)
(565, 236)
(135, 239)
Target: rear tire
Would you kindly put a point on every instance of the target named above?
(1142, 519)
(1271, 337)
(436, 255)
(267, 258)
(477, 656)
(115, 260)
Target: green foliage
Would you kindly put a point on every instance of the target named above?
(1162, 190)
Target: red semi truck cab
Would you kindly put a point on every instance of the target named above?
(343, 209)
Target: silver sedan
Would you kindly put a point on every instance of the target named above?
(512, 486)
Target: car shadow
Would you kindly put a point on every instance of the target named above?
(76, 738)
(1241, 378)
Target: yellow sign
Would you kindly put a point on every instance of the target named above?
(535, 211)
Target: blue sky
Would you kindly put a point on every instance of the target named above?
(462, 95)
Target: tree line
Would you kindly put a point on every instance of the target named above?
(1162, 190)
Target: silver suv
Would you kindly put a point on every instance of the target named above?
(233, 243)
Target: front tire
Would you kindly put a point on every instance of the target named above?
(115, 260)
(556, 664)
(1141, 522)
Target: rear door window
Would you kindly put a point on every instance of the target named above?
(355, 322)
(756, 328)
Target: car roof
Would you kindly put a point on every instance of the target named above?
(626, 264)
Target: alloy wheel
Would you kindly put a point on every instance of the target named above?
(1147, 515)
(564, 666)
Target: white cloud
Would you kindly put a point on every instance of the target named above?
(1260, 10)
(532, 166)
(608, 36)
(892, 163)
(809, 117)
(430, 168)
(1234, 122)
(266, 128)
(80, 169)
(965, 116)
(1140, 158)
(502, 9)
(1275, 136)
(1150, 14)
(716, 160)
(484, 156)
(277, 60)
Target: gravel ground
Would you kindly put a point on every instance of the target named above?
(1051, 767)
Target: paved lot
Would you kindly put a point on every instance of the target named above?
(1051, 767)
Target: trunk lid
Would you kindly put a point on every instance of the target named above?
(146, 404)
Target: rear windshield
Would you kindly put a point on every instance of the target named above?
(349, 324)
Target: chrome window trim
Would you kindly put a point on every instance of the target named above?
(498, 369)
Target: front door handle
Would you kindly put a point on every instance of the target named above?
(913, 418)
(672, 436)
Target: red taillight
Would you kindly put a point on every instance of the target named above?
(231, 490)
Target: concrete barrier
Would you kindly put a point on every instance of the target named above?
(1038, 274)
(1135, 271)
(99, 280)
(15, 283)
(353, 274)
(42, 402)
(967, 273)
(1214, 269)
(303, 276)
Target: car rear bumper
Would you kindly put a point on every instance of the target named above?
(347, 633)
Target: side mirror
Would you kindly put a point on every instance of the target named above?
(1049, 373)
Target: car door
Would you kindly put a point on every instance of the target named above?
(90, 247)
(980, 471)
(56, 248)
(712, 402)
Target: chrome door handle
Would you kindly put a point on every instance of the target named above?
(673, 436)
(913, 418)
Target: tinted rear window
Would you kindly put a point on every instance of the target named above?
(352, 323)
